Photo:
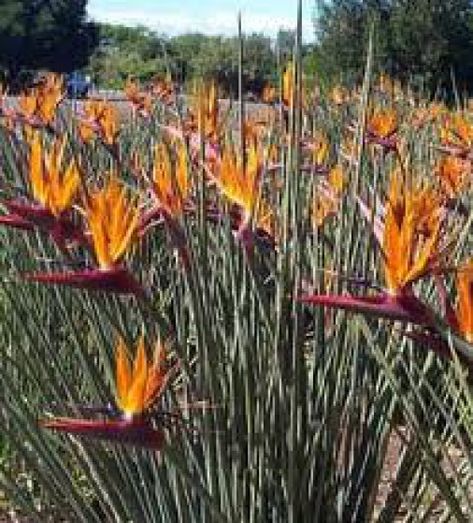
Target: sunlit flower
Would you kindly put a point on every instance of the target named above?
(138, 419)
(462, 317)
(100, 119)
(269, 94)
(142, 101)
(348, 149)
(113, 220)
(382, 127)
(7, 114)
(171, 187)
(253, 129)
(319, 147)
(163, 89)
(205, 111)
(339, 95)
(456, 135)
(412, 229)
(454, 175)
(170, 178)
(54, 185)
(327, 194)
(429, 114)
(390, 87)
(288, 87)
(410, 241)
(385, 84)
(240, 184)
(38, 105)
(140, 387)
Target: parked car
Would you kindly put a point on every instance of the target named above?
(77, 85)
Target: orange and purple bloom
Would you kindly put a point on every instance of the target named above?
(113, 219)
(381, 129)
(240, 184)
(54, 186)
(170, 187)
(134, 420)
(410, 241)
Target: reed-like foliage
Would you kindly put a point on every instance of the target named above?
(277, 409)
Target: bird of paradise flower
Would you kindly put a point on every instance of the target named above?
(410, 241)
(136, 418)
(54, 187)
(113, 219)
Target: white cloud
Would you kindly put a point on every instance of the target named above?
(224, 23)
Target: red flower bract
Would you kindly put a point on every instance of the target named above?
(401, 307)
(118, 280)
(135, 432)
(27, 216)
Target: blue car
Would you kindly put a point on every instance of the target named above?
(77, 85)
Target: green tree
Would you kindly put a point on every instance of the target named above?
(44, 34)
(427, 39)
(126, 51)
(218, 59)
(342, 28)
(433, 39)
(260, 62)
(182, 50)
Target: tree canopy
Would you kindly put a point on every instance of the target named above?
(428, 39)
(142, 53)
(45, 34)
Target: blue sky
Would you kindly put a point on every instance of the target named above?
(206, 16)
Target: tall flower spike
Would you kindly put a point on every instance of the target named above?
(412, 228)
(410, 249)
(288, 87)
(139, 386)
(240, 184)
(288, 84)
(205, 111)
